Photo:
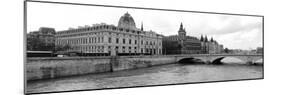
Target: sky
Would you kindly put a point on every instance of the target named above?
(233, 31)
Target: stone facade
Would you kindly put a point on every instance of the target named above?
(185, 44)
(104, 39)
(210, 47)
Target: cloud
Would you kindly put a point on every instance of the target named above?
(221, 25)
(231, 30)
(237, 32)
(249, 39)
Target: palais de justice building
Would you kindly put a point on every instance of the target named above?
(104, 39)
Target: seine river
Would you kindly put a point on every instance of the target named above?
(157, 75)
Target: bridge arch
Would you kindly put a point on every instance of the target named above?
(244, 59)
(190, 60)
(216, 59)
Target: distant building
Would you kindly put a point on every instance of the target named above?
(259, 50)
(104, 39)
(210, 47)
(41, 40)
(221, 49)
(182, 44)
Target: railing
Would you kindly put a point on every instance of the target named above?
(135, 56)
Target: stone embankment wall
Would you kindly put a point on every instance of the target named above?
(45, 68)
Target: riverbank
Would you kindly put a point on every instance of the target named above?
(47, 68)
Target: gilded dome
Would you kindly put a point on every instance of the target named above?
(127, 21)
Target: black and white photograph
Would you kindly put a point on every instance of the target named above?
(78, 47)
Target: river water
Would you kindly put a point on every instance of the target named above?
(156, 75)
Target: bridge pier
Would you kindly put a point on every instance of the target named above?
(249, 62)
(208, 62)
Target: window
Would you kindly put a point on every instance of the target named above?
(135, 41)
(109, 48)
(102, 39)
(90, 40)
(130, 41)
(109, 39)
(116, 48)
(124, 41)
(117, 40)
(102, 48)
(123, 49)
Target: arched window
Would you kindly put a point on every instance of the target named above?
(124, 41)
(130, 41)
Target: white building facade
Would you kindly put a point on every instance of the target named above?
(104, 39)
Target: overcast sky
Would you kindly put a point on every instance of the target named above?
(235, 32)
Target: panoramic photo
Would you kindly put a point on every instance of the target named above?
(72, 47)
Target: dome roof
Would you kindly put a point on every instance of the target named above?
(127, 21)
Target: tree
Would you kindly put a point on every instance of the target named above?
(62, 47)
(226, 50)
(34, 43)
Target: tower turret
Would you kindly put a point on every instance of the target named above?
(202, 38)
(141, 26)
(181, 26)
(212, 39)
(181, 31)
(206, 39)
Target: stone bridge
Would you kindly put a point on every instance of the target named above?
(216, 58)
(53, 67)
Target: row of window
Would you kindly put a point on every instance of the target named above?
(185, 39)
(103, 33)
(82, 40)
(191, 44)
(117, 48)
(101, 40)
(99, 28)
(192, 48)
